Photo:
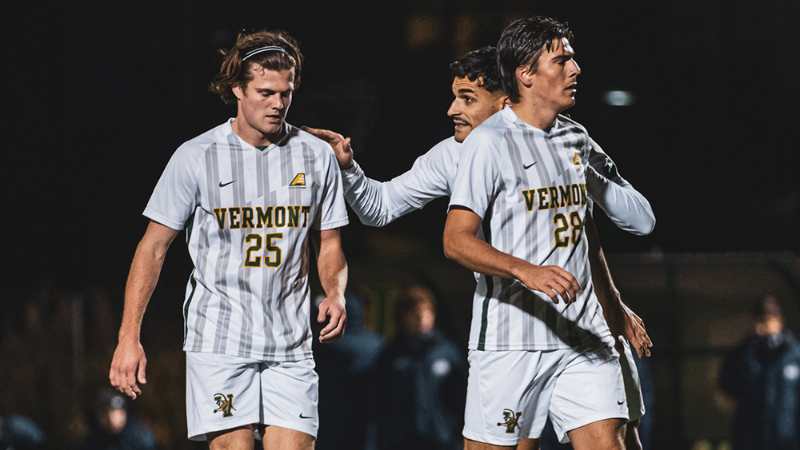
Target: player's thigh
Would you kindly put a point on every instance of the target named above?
(508, 393)
(279, 438)
(607, 434)
(590, 389)
(529, 444)
(237, 439)
(290, 392)
(222, 393)
(632, 441)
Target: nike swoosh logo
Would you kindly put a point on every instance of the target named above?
(620, 402)
(529, 165)
(305, 417)
(221, 184)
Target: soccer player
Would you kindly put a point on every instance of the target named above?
(250, 193)
(539, 344)
(479, 94)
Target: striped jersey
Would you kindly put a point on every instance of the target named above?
(247, 212)
(529, 186)
(432, 176)
(434, 173)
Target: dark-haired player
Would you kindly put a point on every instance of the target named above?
(249, 193)
(478, 95)
(519, 216)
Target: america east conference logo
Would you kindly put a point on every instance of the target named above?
(299, 181)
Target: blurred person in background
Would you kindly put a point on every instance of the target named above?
(421, 382)
(763, 375)
(18, 432)
(346, 372)
(114, 428)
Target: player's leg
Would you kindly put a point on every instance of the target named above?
(279, 438)
(588, 406)
(508, 393)
(237, 439)
(289, 393)
(607, 434)
(529, 444)
(632, 441)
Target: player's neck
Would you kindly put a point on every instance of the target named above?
(254, 137)
(534, 113)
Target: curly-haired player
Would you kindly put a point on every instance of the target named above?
(249, 193)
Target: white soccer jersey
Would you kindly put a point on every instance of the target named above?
(623, 204)
(432, 176)
(529, 187)
(247, 213)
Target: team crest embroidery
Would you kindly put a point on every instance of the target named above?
(509, 420)
(299, 181)
(577, 159)
(224, 405)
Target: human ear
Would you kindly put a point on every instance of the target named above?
(524, 75)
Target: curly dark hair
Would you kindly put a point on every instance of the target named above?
(480, 64)
(236, 72)
(521, 44)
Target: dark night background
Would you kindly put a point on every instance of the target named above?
(108, 90)
(710, 140)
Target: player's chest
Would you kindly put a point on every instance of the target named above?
(253, 179)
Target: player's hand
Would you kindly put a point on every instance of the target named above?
(622, 321)
(553, 281)
(332, 310)
(128, 367)
(340, 144)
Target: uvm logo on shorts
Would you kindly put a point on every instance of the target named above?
(509, 420)
(299, 181)
(224, 405)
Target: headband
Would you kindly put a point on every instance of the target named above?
(269, 48)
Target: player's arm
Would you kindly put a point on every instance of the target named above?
(623, 204)
(332, 268)
(376, 203)
(461, 244)
(128, 365)
(621, 320)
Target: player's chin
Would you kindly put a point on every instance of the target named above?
(462, 133)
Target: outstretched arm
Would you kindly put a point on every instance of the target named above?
(128, 365)
(378, 203)
(332, 268)
(621, 320)
(623, 204)
(461, 244)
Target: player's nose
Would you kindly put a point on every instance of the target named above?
(576, 68)
(454, 109)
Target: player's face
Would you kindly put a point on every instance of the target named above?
(472, 105)
(554, 83)
(263, 104)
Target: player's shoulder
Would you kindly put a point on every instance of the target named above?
(198, 145)
(446, 149)
(298, 136)
(568, 124)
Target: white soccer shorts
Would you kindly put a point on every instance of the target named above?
(633, 388)
(511, 393)
(225, 392)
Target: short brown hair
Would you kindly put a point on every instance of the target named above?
(235, 70)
